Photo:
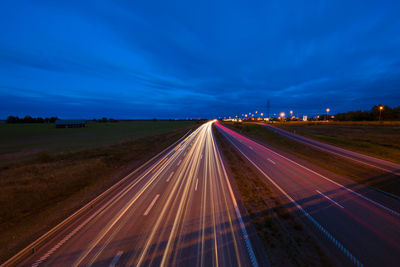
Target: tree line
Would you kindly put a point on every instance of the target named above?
(29, 119)
(374, 114)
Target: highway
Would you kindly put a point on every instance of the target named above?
(360, 226)
(178, 211)
(358, 157)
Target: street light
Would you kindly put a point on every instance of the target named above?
(327, 111)
(380, 112)
(282, 115)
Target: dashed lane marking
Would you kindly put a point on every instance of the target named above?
(170, 176)
(151, 205)
(334, 202)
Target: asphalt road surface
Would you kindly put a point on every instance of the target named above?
(358, 157)
(179, 211)
(360, 228)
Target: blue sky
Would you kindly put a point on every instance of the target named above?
(180, 59)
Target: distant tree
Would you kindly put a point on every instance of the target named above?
(396, 112)
(387, 113)
(28, 119)
(53, 119)
(12, 119)
(104, 119)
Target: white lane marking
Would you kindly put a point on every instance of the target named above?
(179, 163)
(330, 149)
(319, 226)
(170, 176)
(115, 259)
(197, 182)
(151, 205)
(251, 147)
(334, 202)
(241, 223)
(270, 160)
(333, 182)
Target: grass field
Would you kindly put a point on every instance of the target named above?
(372, 138)
(18, 140)
(38, 191)
(358, 172)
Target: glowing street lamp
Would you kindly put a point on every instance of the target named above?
(380, 112)
(262, 114)
(291, 113)
(327, 111)
(282, 115)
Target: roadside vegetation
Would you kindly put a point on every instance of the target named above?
(39, 190)
(358, 172)
(372, 138)
(285, 241)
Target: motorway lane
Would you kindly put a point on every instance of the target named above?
(358, 157)
(180, 211)
(365, 231)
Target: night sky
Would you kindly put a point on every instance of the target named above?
(181, 59)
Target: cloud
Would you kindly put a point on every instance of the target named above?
(207, 59)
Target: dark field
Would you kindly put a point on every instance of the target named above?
(18, 140)
(375, 139)
(358, 172)
(39, 190)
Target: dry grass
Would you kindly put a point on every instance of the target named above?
(37, 193)
(285, 241)
(372, 138)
